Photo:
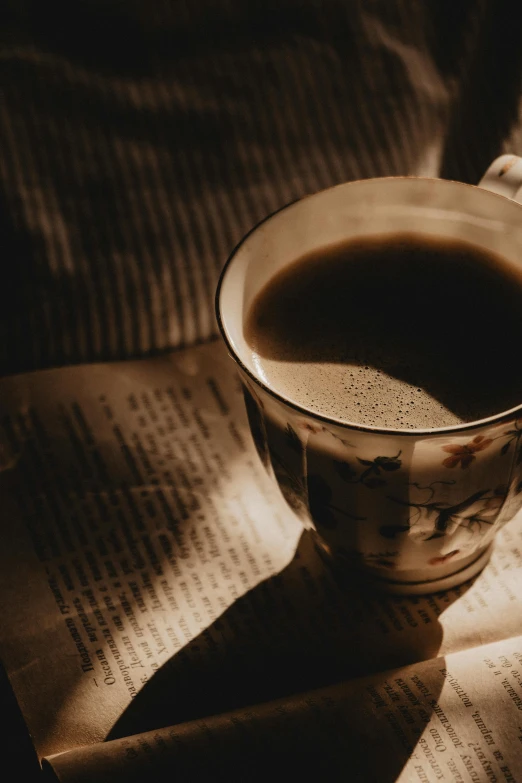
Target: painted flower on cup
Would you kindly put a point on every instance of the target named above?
(463, 454)
(310, 426)
(253, 407)
(491, 505)
(514, 435)
(441, 559)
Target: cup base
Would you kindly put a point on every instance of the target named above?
(417, 585)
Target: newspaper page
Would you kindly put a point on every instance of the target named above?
(151, 574)
(455, 719)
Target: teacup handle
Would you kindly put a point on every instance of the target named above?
(504, 176)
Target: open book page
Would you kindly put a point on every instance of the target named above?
(133, 514)
(149, 568)
(301, 630)
(455, 719)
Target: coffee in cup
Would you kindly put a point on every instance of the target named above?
(396, 331)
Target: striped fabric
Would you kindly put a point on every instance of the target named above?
(140, 140)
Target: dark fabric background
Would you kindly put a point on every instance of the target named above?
(140, 140)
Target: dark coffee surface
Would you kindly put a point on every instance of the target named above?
(402, 331)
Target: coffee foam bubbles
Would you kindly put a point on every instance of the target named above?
(355, 393)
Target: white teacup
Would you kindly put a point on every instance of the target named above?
(417, 510)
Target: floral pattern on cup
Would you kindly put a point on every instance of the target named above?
(373, 474)
(470, 513)
(463, 454)
(391, 502)
(254, 409)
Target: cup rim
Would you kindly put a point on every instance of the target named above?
(496, 418)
